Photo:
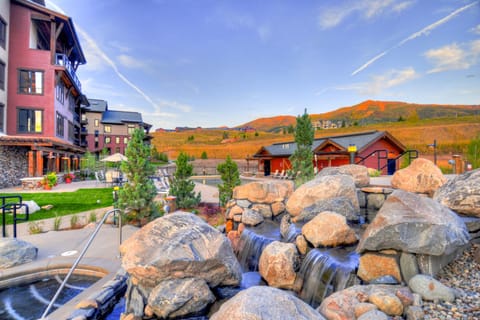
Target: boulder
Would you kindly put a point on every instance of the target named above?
(359, 173)
(461, 193)
(264, 209)
(329, 229)
(32, 207)
(411, 223)
(322, 188)
(373, 315)
(374, 265)
(180, 245)
(262, 302)
(340, 205)
(252, 217)
(341, 304)
(14, 252)
(278, 263)
(179, 297)
(431, 289)
(421, 176)
(263, 191)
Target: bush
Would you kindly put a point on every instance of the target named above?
(230, 178)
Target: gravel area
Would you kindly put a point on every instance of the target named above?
(462, 275)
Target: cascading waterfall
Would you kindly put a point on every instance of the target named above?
(250, 247)
(324, 272)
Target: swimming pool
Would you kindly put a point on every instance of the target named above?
(28, 301)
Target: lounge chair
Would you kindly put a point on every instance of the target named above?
(280, 175)
(275, 174)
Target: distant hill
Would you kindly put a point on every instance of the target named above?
(272, 124)
(371, 111)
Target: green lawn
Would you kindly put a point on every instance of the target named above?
(65, 203)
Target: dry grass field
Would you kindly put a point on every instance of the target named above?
(452, 135)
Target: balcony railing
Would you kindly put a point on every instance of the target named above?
(62, 60)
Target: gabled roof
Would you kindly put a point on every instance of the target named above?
(77, 53)
(121, 117)
(97, 105)
(362, 140)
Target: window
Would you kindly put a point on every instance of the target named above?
(95, 123)
(107, 140)
(2, 75)
(30, 82)
(2, 115)
(107, 129)
(60, 92)
(71, 102)
(117, 140)
(29, 120)
(96, 133)
(117, 150)
(71, 134)
(130, 128)
(60, 125)
(3, 33)
(125, 140)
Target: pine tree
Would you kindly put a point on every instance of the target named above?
(302, 158)
(182, 187)
(137, 194)
(230, 177)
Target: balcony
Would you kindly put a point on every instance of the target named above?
(62, 60)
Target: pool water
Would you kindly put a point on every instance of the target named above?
(29, 301)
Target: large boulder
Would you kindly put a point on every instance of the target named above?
(322, 188)
(264, 191)
(14, 252)
(388, 298)
(430, 289)
(421, 176)
(278, 263)
(341, 205)
(180, 245)
(179, 297)
(412, 223)
(329, 229)
(265, 303)
(461, 193)
(359, 173)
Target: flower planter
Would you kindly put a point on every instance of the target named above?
(47, 187)
(68, 180)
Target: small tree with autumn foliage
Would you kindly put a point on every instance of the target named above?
(230, 177)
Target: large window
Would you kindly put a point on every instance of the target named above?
(130, 128)
(60, 92)
(2, 115)
(71, 132)
(107, 129)
(2, 75)
(29, 120)
(30, 82)
(60, 125)
(3, 33)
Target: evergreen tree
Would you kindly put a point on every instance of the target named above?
(302, 158)
(137, 194)
(182, 187)
(230, 177)
(204, 155)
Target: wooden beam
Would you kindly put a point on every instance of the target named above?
(39, 164)
(59, 30)
(53, 47)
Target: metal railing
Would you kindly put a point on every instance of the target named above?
(412, 154)
(12, 206)
(80, 256)
(62, 60)
(382, 154)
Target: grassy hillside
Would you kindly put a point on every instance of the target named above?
(370, 111)
(452, 135)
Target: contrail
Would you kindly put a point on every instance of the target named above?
(107, 59)
(424, 31)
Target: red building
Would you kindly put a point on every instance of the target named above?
(43, 129)
(374, 149)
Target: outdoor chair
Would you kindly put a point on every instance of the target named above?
(275, 174)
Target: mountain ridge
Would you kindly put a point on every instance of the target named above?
(369, 111)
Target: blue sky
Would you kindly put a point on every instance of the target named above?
(226, 62)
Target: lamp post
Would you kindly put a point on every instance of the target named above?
(434, 146)
(352, 149)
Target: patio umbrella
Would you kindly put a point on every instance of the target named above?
(116, 157)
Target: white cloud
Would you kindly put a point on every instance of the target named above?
(367, 9)
(423, 32)
(476, 29)
(176, 105)
(453, 56)
(130, 62)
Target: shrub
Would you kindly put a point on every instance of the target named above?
(57, 222)
(230, 178)
(35, 227)
(74, 222)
